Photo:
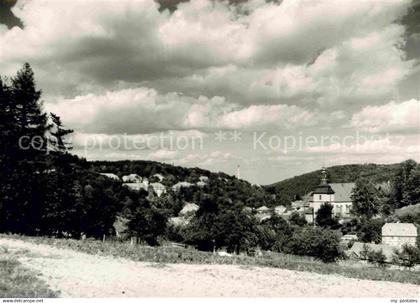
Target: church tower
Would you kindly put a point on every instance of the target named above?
(323, 193)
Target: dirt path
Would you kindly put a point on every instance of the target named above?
(81, 275)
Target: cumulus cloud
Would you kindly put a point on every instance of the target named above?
(207, 159)
(268, 47)
(390, 117)
(144, 110)
(128, 69)
(163, 155)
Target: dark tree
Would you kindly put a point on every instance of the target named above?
(406, 185)
(320, 243)
(325, 218)
(365, 199)
(23, 156)
(370, 230)
(297, 219)
(148, 222)
(59, 133)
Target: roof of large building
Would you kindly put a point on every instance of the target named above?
(110, 175)
(263, 209)
(411, 209)
(342, 191)
(323, 189)
(189, 208)
(181, 184)
(399, 229)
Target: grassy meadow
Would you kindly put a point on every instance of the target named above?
(17, 281)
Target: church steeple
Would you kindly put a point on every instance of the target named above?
(323, 176)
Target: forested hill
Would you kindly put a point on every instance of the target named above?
(300, 185)
(219, 185)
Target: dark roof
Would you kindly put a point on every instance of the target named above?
(323, 189)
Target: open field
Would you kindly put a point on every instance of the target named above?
(77, 274)
(17, 280)
(165, 254)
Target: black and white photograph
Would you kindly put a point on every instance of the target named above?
(201, 149)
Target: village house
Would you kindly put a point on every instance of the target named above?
(279, 210)
(137, 186)
(159, 177)
(158, 188)
(398, 234)
(185, 215)
(394, 236)
(111, 176)
(337, 194)
(132, 178)
(263, 213)
(180, 185)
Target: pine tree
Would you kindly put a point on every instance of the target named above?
(58, 133)
(23, 153)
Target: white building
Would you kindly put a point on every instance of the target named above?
(337, 194)
(398, 234)
(158, 188)
(136, 186)
(180, 185)
(131, 178)
(111, 176)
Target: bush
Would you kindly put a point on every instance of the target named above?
(377, 257)
(323, 244)
(364, 254)
(274, 233)
(370, 230)
(408, 256)
(297, 219)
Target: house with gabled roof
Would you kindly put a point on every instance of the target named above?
(398, 234)
(111, 176)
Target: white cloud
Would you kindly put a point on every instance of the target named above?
(370, 148)
(163, 155)
(124, 69)
(257, 117)
(390, 117)
(82, 44)
(206, 159)
(143, 110)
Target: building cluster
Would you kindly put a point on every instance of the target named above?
(394, 236)
(336, 194)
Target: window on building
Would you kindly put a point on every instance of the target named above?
(348, 209)
(320, 197)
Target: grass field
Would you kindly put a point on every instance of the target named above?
(19, 282)
(168, 254)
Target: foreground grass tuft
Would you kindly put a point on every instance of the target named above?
(168, 254)
(19, 282)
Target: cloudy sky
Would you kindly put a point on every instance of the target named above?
(277, 87)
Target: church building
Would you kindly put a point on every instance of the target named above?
(337, 194)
